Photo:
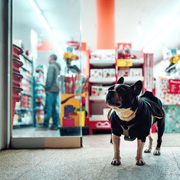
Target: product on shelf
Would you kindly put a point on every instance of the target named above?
(96, 73)
(123, 71)
(23, 109)
(125, 53)
(39, 93)
(102, 56)
(135, 72)
(99, 90)
(108, 72)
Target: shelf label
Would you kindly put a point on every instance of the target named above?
(124, 62)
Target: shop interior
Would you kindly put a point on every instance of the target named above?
(143, 47)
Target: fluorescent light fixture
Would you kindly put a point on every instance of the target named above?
(34, 5)
(46, 25)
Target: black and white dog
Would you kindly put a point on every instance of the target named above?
(133, 117)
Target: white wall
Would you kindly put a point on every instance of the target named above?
(89, 23)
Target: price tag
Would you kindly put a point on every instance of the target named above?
(124, 62)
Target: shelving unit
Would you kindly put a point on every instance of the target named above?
(24, 108)
(100, 59)
(39, 94)
(97, 119)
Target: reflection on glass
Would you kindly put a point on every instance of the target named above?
(49, 87)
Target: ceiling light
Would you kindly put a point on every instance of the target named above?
(46, 25)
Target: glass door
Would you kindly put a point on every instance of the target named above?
(47, 80)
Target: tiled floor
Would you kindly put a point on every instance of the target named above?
(92, 162)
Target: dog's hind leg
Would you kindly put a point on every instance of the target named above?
(149, 149)
(116, 142)
(161, 126)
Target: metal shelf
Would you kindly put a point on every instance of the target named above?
(26, 94)
(26, 57)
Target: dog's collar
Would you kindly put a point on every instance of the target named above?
(125, 115)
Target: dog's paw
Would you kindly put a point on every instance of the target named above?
(157, 152)
(140, 162)
(147, 150)
(116, 162)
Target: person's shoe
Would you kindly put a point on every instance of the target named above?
(53, 128)
(43, 127)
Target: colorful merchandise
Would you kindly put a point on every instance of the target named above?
(172, 121)
(39, 93)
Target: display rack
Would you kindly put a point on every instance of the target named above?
(131, 69)
(102, 75)
(39, 94)
(24, 108)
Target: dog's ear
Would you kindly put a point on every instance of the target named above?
(137, 88)
(121, 80)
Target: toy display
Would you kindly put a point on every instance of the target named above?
(69, 57)
(173, 56)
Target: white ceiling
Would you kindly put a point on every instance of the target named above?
(63, 17)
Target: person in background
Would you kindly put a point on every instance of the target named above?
(52, 94)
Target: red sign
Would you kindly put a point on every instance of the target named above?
(45, 46)
(124, 45)
(174, 86)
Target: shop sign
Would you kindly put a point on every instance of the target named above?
(174, 86)
(124, 62)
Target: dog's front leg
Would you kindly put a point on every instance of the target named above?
(116, 142)
(139, 158)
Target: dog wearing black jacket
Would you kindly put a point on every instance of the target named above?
(133, 116)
